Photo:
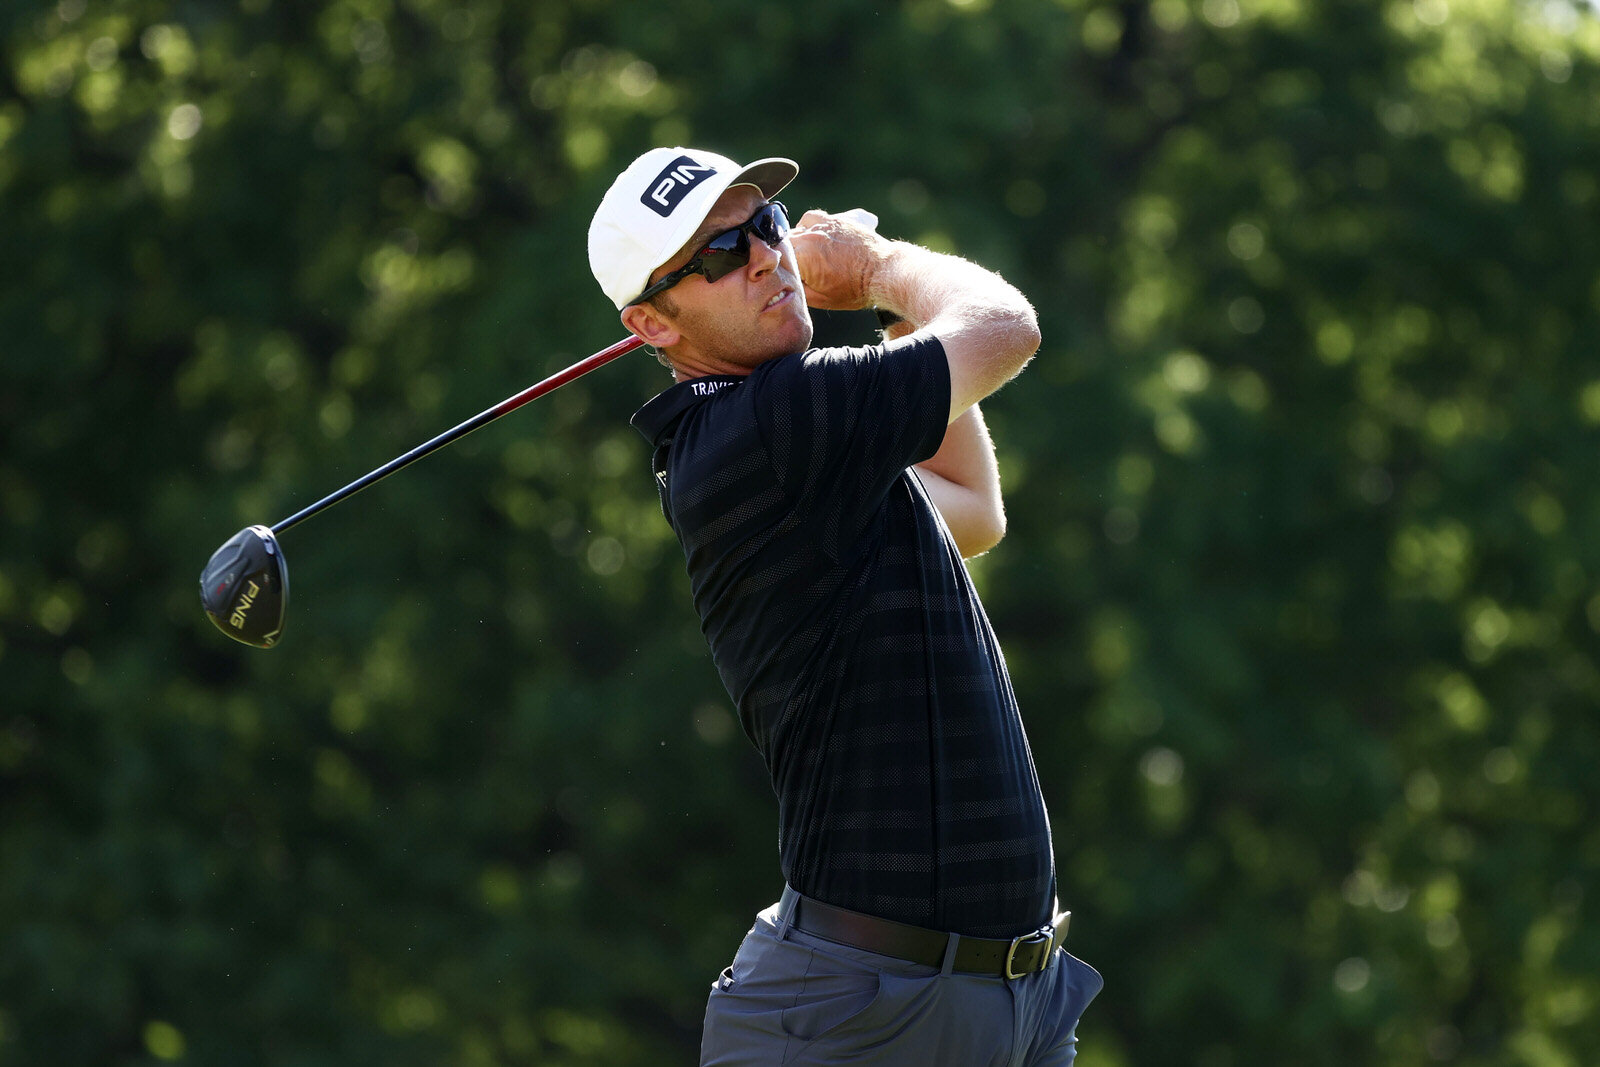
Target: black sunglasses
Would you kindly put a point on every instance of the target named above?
(727, 251)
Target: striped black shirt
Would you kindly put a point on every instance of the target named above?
(845, 627)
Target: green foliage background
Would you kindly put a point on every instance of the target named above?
(1301, 592)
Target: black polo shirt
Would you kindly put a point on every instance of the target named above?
(845, 627)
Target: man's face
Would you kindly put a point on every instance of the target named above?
(742, 319)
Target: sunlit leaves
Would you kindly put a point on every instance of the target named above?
(1300, 594)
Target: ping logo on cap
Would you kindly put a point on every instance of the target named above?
(667, 190)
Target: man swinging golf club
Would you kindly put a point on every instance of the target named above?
(825, 499)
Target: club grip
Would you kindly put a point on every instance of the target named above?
(861, 216)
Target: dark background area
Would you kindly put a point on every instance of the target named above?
(1300, 595)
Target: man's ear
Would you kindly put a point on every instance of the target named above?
(649, 324)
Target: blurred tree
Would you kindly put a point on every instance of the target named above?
(1298, 594)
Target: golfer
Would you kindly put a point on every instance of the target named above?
(825, 499)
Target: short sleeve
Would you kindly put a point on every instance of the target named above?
(841, 425)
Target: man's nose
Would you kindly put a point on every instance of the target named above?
(763, 257)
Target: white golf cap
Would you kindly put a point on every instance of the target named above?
(657, 204)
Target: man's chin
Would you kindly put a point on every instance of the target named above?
(794, 335)
(802, 329)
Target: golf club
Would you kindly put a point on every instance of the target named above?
(245, 585)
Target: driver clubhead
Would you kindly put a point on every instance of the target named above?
(245, 587)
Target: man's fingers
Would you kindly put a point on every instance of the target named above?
(858, 216)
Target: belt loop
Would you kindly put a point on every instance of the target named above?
(949, 964)
(786, 907)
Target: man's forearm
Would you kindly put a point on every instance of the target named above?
(988, 329)
(963, 481)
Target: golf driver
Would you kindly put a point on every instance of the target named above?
(245, 586)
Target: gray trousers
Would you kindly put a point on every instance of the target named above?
(794, 998)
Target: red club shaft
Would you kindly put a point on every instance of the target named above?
(483, 418)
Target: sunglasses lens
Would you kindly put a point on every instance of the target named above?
(726, 253)
(770, 223)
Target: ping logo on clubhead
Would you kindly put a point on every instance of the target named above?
(247, 600)
(667, 190)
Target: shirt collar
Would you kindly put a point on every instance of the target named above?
(657, 417)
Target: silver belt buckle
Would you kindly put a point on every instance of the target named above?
(1044, 935)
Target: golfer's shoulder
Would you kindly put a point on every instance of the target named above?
(840, 366)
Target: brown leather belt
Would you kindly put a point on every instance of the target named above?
(1011, 958)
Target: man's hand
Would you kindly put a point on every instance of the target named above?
(838, 259)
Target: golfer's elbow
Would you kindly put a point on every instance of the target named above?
(1016, 335)
(1028, 338)
(979, 542)
(981, 529)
